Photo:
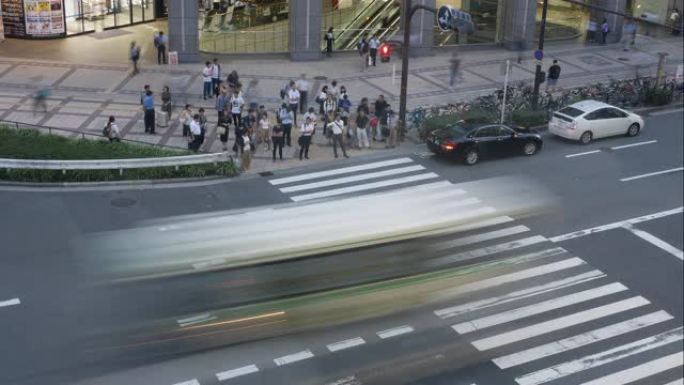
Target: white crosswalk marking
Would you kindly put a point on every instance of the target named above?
(641, 371)
(567, 368)
(340, 171)
(364, 187)
(538, 308)
(559, 323)
(349, 179)
(676, 382)
(580, 340)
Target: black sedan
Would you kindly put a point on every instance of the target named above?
(470, 142)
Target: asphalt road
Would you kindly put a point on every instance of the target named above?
(49, 336)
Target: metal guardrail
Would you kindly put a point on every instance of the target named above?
(114, 164)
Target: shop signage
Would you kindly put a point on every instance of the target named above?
(44, 17)
(13, 18)
(173, 58)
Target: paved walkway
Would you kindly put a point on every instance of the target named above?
(84, 94)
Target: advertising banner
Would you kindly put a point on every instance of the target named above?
(44, 17)
(13, 17)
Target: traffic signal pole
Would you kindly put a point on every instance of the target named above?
(537, 73)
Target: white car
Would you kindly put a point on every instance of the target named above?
(589, 119)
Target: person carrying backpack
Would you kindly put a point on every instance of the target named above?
(554, 74)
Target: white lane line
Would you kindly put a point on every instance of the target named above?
(577, 341)
(191, 382)
(635, 177)
(353, 178)
(395, 332)
(291, 358)
(518, 295)
(338, 171)
(10, 302)
(196, 319)
(583, 153)
(615, 225)
(489, 250)
(558, 323)
(633, 145)
(538, 308)
(346, 344)
(228, 374)
(619, 352)
(477, 238)
(641, 371)
(655, 241)
(676, 382)
(366, 186)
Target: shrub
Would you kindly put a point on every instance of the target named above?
(529, 118)
(656, 96)
(472, 116)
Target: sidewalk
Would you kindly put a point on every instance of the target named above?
(86, 90)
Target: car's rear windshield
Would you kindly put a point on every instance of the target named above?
(458, 130)
(571, 111)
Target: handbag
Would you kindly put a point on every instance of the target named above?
(221, 130)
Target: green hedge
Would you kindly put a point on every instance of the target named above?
(472, 116)
(30, 144)
(529, 118)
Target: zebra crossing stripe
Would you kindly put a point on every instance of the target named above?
(676, 382)
(641, 371)
(482, 237)
(364, 187)
(351, 179)
(538, 308)
(619, 352)
(580, 340)
(518, 295)
(340, 171)
(489, 250)
(558, 323)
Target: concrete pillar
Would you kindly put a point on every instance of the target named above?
(615, 22)
(422, 28)
(519, 22)
(305, 29)
(183, 30)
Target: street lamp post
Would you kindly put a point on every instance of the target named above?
(537, 74)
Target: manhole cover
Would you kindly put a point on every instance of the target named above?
(266, 173)
(320, 77)
(623, 59)
(123, 202)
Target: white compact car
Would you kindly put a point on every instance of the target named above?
(589, 119)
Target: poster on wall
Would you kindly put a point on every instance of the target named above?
(13, 17)
(2, 29)
(44, 17)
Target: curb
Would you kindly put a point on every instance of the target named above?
(130, 183)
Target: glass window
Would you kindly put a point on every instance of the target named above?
(571, 111)
(138, 9)
(564, 20)
(505, 131)
(483, 14)
(615, 113)
(74, 16)
(601, 113)
(487, 132)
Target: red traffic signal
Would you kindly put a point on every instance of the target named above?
(385, 52)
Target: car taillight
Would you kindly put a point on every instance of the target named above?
(449, 146)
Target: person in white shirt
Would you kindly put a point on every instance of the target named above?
(185, 120)
(374, 43)
(264, 135)
(206, 78)
(305, 132)
(286, 117)
(322, 97)
(392, 127)
(237, 103)
(333, 90)
(113, 133)
(311, 115)
(195, 134)
(303, 86)
(293, 100)
(246, 151)
(215, 77)
(337, 128)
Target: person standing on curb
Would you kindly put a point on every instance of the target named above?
(134, 55)
(286, 119)
(206, 80)
(554, 75)
(185, 119)
(195, 134)
(374, 43)
(246, 151)
(305, 138)
(167, 105)
(148, 107)
(222, 132)
(303, 86)
(277, 137)
(293, 96)
(381, 107)
(362, 129)
(391, 129)
(222, 103)
(363, 49)
(604, 30)
(264, 131)
(337, 129)
(237, 103)
(160, 42)
(329, 39)
(203, 125)
(322, 97)
(215, 77)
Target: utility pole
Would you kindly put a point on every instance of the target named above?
(537, 73)
(407, 15)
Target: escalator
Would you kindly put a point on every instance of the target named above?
(378, 17)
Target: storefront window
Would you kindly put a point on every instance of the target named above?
(351, 19)
(563, 20)
(485, 15)
(244, 27)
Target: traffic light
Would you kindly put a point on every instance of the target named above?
(385, 52)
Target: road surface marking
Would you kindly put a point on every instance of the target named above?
(366, 186)
(583, 153)
(676, 382)
(538, 308)
(395, 332)
(350, 380)
(615, 225)
(477, 238)
(633, 145)
(635, 177)
(353, 178)
(191, 382)
(346, 344)
(655, 241)
(10, 302)
(484, 223)
(574, 342)
(196, 319)
(338, 171)
(619, 352)
(520, 294)
(559, 323)
(641, 371)
(489, 250)
(291, 358)
(228, 374)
